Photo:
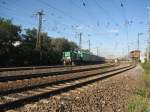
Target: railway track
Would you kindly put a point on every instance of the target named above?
(15, 83)
(38, 67)
(10, 77)
(32, 68)
(17, 97)
(42, 70)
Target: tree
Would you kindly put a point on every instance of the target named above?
(73, 46)
(9, 34)
(29, 38)
(61, 44)
(25, 53)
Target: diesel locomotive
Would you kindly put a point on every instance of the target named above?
(81, 57)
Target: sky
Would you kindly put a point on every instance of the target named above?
(112, 26)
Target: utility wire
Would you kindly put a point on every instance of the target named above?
(58, 10)
(82, 9)
(126, 24)
(106, 12)
(62, 12)
(16, 5)
(11, 12)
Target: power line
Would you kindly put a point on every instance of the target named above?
(16, 13)
(16, 5)
(114, 3)
(72, 18)
(10, 10)
(81, 9)
(62, 12)
(12, 14)
(126, 24)
(106, 12)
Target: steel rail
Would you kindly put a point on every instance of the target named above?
(73, 84)
(38, 67)
(35, 75)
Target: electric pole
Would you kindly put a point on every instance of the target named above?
(123, 52)
(138, 41)
(148, 48)
(89, 45)
(97, 51)
(100, 49)
(128, 54)
(80, 40)
(38, 41)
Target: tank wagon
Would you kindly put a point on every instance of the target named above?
(81, 57)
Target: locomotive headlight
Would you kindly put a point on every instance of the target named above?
(68, 58)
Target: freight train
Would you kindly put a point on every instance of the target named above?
(81, 57)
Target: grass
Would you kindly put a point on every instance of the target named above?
(139, 102)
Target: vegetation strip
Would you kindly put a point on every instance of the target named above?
(139, 102)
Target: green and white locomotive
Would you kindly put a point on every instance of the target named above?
(81, 57)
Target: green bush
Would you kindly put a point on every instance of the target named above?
(146, 67)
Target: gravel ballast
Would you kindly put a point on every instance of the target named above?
(109, 95)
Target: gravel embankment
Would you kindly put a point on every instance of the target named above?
(110, 95)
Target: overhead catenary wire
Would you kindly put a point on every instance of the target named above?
(75, 18)
(13, 11)
(126, 24)
(26, 11)
(59, 10)
(13, 14)
(126, 21)
(62, 12)
(107, 14)
(82, 9)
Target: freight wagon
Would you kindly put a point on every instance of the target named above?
(81, 57)
(135, 55)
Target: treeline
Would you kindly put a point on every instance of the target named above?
(17, 48)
